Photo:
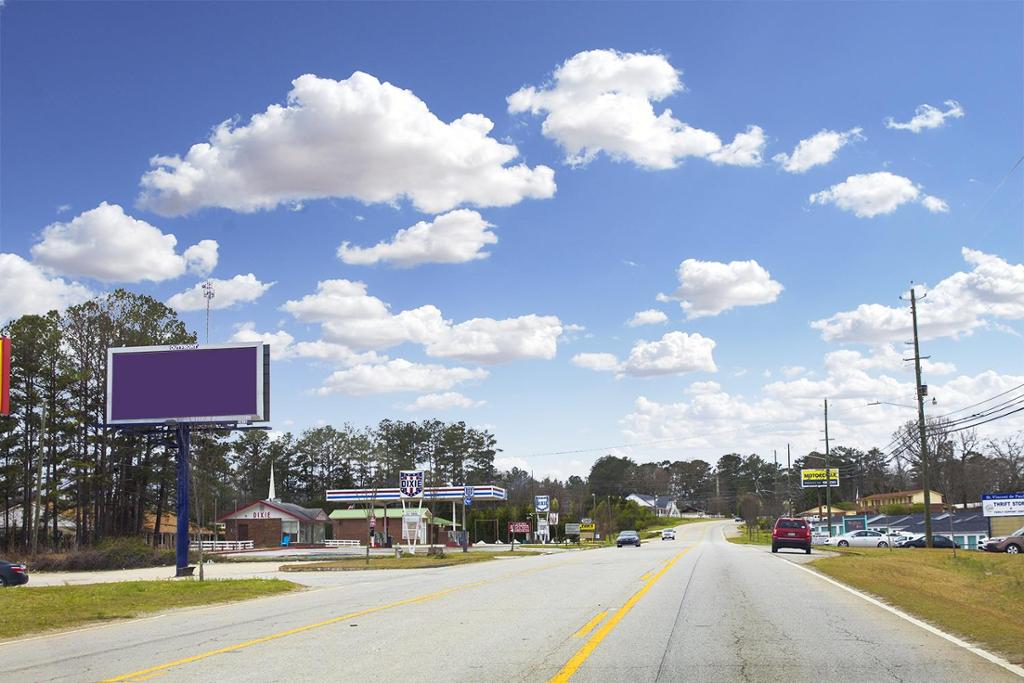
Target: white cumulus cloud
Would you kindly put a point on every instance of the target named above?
(201, 258)
(674, 354)
(926, 116)
(239, 289)
(709, 419)
(819, 149)
(357, 138)
(602, 362)
(350, 316)
(958, 304)
(441, 402)
(26, 290)
(602, 101)
(107, 244)
(651, 316)
(872, 194)
(455, 237)
(935, 205)
(397, 375)
(486, 340)
(707, 288)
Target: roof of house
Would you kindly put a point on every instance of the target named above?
(963, 523)
(911, 492)
(642, 496)
(168, 523)
(303, 514)
(662, 502)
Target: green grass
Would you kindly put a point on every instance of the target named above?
(406, 562)
(759, 537)
(976, 595)
(30, 610)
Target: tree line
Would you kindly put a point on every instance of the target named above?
(54, 449)
(57, 461)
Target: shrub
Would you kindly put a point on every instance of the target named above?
(114, 553)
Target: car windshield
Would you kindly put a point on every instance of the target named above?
(791, 524)
(1018, 532)
(625, 534)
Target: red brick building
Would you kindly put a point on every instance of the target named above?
(352, 524)
(270, 523)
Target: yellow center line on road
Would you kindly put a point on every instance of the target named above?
(144, 674)
(588, 648)
(589, 626)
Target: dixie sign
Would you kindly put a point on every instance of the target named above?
(519, 527)
(1002, 504)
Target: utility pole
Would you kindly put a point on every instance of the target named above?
(775, 480)
(920, 426)
(208, 294)
(828, 476)
(789, 490)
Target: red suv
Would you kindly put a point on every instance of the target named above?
(791, 532)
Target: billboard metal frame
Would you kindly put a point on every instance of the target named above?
(262, 384)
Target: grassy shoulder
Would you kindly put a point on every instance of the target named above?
(757, 537)
(975, 595)
(30, 610)
(355, 564)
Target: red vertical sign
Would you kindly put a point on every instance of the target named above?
(5, 375)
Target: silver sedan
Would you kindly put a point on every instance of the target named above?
(860, 539)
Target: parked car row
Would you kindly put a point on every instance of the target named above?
(796, 532)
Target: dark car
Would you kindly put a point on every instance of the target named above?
(12, 574)
(1013, 544)
(937, 542)
(627, 538)
(791, 532)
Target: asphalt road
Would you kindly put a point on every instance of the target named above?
(696, 609)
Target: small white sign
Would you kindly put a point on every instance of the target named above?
(1002, 504)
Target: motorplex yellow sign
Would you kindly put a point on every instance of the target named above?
(822, 478)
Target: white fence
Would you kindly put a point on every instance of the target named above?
(341, 543)
(225, 545)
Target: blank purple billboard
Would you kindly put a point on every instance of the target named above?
(188, 383)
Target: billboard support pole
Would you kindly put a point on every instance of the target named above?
(184, 434)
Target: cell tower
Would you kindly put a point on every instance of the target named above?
(208, 294)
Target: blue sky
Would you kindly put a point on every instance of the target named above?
(92, 91)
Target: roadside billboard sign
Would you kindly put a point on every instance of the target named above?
(586, 520)
(1002, 504)
(542, 503)
(467, 495)
(553, 517)
(194, 383)
(588, 527)
(519, 527)
(813, 479)
(572, 529)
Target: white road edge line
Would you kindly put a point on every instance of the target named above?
(59, 634)
(171, 611)
(984, 654)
